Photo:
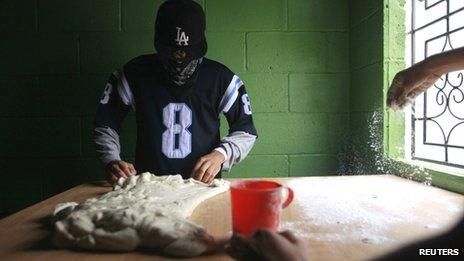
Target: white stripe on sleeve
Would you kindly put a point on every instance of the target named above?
(230, 94)
(123, 89)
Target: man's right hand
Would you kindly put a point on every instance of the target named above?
(119, 169)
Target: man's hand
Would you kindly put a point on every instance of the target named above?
(119, 169)
(409, 83)
(268, 245)
(208, 166)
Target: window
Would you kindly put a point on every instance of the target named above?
(436, 119)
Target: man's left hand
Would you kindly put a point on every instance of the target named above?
(208, 166)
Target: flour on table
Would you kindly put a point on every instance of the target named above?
(142, 211)
(365, 209)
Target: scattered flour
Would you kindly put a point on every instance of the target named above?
(349, 210)
(361, 156)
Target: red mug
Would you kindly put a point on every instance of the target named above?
(257, 204)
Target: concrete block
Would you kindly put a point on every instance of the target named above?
(268, 92)
(78, 15)
(38, 53)
(286, 52)
(313, 165)
(244, 15)
(319, 92)
(257, 166)
(310, 15)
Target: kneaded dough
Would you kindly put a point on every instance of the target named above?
(142, 211)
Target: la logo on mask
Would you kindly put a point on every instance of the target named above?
(181, 39)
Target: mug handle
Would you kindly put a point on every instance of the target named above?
(290, 195)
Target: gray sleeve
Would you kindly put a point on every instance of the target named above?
(235, 147)
(107, 144)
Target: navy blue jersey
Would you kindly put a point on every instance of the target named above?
(173, 133)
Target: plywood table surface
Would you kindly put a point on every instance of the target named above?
(340, 218)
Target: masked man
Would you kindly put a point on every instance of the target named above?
(178, 96)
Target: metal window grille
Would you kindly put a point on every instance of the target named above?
(437, 116)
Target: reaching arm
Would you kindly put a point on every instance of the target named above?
(233, 148)
(115, 103)
(107, 144)
(446, 62)
(411, 82)
(236, 106)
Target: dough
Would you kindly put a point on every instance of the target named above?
(142, 211)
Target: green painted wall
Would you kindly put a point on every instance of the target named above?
(377, 48)
(293, 55)
(393, 52)
(366, 70)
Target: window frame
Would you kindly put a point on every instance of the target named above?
(394, 128)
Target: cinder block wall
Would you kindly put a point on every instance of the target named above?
(55, 57)
(376, 33)
(293, 56)
(366, 71)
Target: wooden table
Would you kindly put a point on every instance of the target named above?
(340, 218)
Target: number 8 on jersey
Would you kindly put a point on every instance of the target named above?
(177, 140)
